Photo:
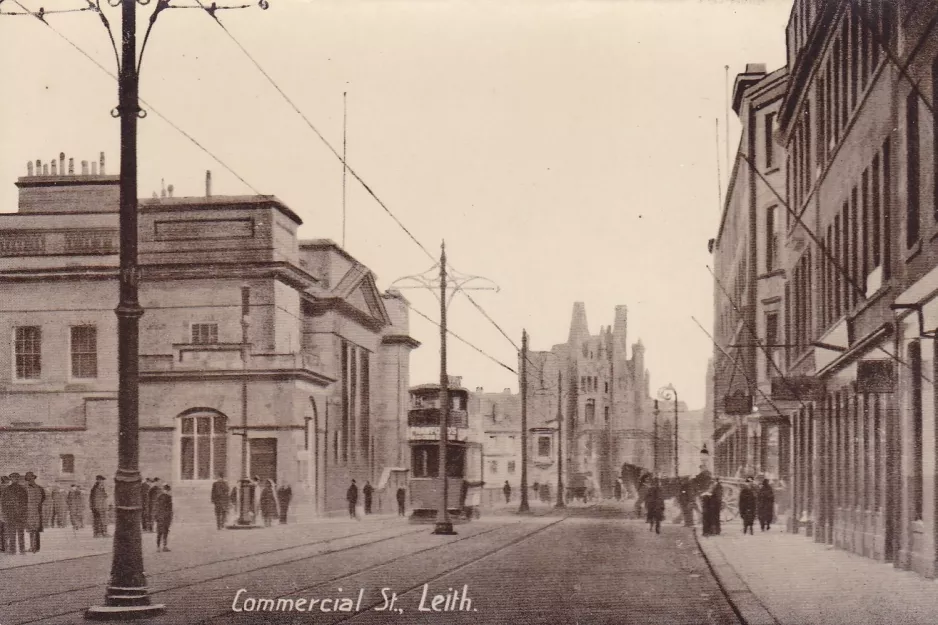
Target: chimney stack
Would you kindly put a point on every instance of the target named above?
(169, 190)
(208, 183)
(71, 166)
(162, 188)
(84, 168)
(55, 169)
(102, 163)
(62, 163)
(29, 168)
(94, 168)
(45, 169)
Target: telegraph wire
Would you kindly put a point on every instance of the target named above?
(144, 102)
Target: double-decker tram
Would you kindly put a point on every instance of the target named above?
(463, 456)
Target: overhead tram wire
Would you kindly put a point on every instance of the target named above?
(173, 125)
(755, 337)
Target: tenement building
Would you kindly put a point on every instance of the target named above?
(598, 396)
(256, 348)
(750, 432)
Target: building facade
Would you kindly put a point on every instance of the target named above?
(247, 330)
(751, 428)
(858, 117)
(601, 397)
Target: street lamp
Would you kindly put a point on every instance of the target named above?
(127, 594)
(669, 393)
(433, 280)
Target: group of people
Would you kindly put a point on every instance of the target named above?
(156, 511)
(755, 503)
(368, 493)
(273, 502)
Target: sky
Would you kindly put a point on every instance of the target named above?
(565, 150)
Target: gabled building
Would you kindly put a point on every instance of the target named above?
(244, 325)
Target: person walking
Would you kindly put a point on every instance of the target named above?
(156, 488)
(163, 515)
(220, 501)
(716, 493)
(284, 496)
(14, 504)
(145, 512)
(747, 505)
(654, 507)
(35, 497)
(506, 490)
(60, 506)
(4, 484)
(97, 501)
(617, 489)
(268, 503)
(351, 496)
(766, 505)
(75, 500)
(401, 500)
(368, 491)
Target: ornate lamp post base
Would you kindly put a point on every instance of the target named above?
(244, 521)
(125, 604)
(444, 528)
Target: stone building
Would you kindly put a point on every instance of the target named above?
(858, 119)
(604, 399)
(244, 324)
(498, 417)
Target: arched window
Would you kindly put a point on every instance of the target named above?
(203, 446)
(590, 410)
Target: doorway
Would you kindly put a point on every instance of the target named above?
(264, 458)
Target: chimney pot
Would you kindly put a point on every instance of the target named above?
(94, 168)
(162, 187)
(507, 391)
(38, 167)
(102, 163)
(208, 183)
(169, 190)
(29, 168)
(62, 163)
(84, 168)
(71, 166)
(45, 169)
(55, 170)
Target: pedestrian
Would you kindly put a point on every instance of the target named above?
(706, 505)
(4, 483)
(401, 500)
(617, 489)
(163, 515)
(284, 496)
(747, 505)
(75, 501)
(716, 492)
(156, 488)
(368, 491)
(351, 496)
(686, 501)
(268, 503)
(766, 504)
(233, 498)
(506, 489)
(220, 501)
(36, 496)
(145, 505)
(253, 494)
(60, 506)
(536, 489)
(654, 507)
(14, 504)
(97, 500)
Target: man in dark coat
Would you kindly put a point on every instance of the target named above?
(654, 507)
(220, 500)
(15, 503)
(163, 515)
(284, 497)
(97, 500)
(35, 498)
(76, 507)
(351, 496)
(146, 514)
(368, 492)
(766, 504)
(716, 493)
(747, 505)
(506, 490)
(156, 487)
(401, 500)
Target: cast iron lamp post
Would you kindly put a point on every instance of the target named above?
(669, 393)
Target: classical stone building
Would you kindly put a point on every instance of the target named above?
(244, 324)
(607, 421)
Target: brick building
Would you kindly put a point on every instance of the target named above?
(323, 386)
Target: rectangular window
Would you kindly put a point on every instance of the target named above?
(67, 463)
(769, 141)
(837, 275)
(844, 75)
(822, 132)
(426, 460)
(915, 402)
(912, 171)
(204, 333)
(771, 340)
(366, 405)
(855, 239)
(84, 352)
(511, 467)
(836, 98)
(493, 466)
(865, 222)
(771, 238)
(877, 451)
(353, 403)
(543, 446)
(854, 55)
(345, 400)
(887, 210)
(28, 352)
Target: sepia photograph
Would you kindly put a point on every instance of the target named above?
(469, 312)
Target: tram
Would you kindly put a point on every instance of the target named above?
(463, 456)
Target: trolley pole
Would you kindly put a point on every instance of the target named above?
(524, 507)
(560, 503)
(443, 524)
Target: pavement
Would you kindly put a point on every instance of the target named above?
(778, 578)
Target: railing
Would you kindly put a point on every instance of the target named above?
(191, 358)
(428, 417)
(86, 241)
